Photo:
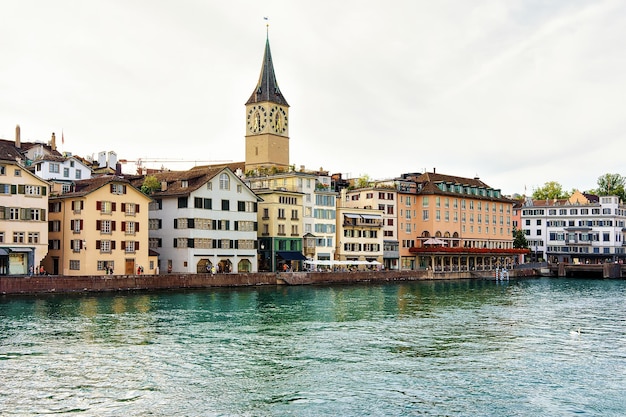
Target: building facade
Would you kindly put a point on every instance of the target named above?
(99, 227)
(202, 219)
(583, 228)
(23, 217)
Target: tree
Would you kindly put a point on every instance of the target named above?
(519, 239)
(612, 184)
(363, 181)
(150, 184)
(551, 190)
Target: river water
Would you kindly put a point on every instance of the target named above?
(537, 347)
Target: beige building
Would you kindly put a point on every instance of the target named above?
(100, 227)
(359, 232)
(23, 225)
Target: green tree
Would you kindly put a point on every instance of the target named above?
(519, 239)
(551, 190)
(612, 184)
(363, 181)
(150, 184)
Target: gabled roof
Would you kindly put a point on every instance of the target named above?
(87, 186)
(195, 178)
(267, 86)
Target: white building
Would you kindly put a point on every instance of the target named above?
(203, 218)
(582, 229)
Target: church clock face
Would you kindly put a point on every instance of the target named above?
(278, 119)
(257, 119)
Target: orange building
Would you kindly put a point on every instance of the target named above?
(452, 223)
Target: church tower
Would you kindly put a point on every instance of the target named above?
(267, 121)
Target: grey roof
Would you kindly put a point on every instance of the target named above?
(267, 87)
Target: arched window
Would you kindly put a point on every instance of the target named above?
(224, 182)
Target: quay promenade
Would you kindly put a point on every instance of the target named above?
(39, 284)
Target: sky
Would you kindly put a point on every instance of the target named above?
(515, 92)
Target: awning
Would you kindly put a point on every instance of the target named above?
(371, 216)
(352, 216)
(291, 256)
(3, 252)
(21, 250)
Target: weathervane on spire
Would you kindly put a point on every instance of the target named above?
(267, 26)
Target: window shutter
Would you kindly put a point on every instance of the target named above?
(13, 189)
(175, 223)
(136, 208)
(175, 243)
(136, 226)
(43, 215)
(99, 205)
(98, 225)
(124, 207)
(73, 205)
(190, 224)
(43, 190)
(214, 224)
(160, 223)
(124, 187)
(97, 244)
(82, 204)
(20, 189)
(113, 225)
(112, 244)
(113, 206)
(256, 226)
(236, 224)
(136, 245)
(123, 226)
(81, 224)
(49, 226)
(111, 188)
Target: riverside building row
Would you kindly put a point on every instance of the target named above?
(76, 217)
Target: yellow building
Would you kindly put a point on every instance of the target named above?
(23, 225)
(99, 227)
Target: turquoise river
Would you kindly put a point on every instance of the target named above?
(533, 347)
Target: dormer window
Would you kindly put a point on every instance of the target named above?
(184, 183)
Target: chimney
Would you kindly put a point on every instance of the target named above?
(53, 142)
(18, 140)
(163, 185)
(118, 169)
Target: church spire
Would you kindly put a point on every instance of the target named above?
(267, 86)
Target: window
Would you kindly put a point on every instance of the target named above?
(32, 190)
(105, 246)
(118, 189)
(239, 188)
(225, 205)
(130, 209)
(425, 215)
(129, 228)
(18, 237)
(74, 265)
(66, 172)
(105, 226)
(54, 168)
(130, 246)
(106, 207)
(224, 181)
(182, 202)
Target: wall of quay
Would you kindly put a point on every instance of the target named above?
(39, 284)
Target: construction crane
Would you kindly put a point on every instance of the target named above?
(139, 162)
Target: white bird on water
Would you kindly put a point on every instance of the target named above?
(575, 332)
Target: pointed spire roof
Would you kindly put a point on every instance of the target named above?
(267, 87)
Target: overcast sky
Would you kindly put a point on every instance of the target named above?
(518, 92)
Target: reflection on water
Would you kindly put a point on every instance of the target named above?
(422, 348)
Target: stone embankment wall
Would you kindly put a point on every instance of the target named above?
(49, 284)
